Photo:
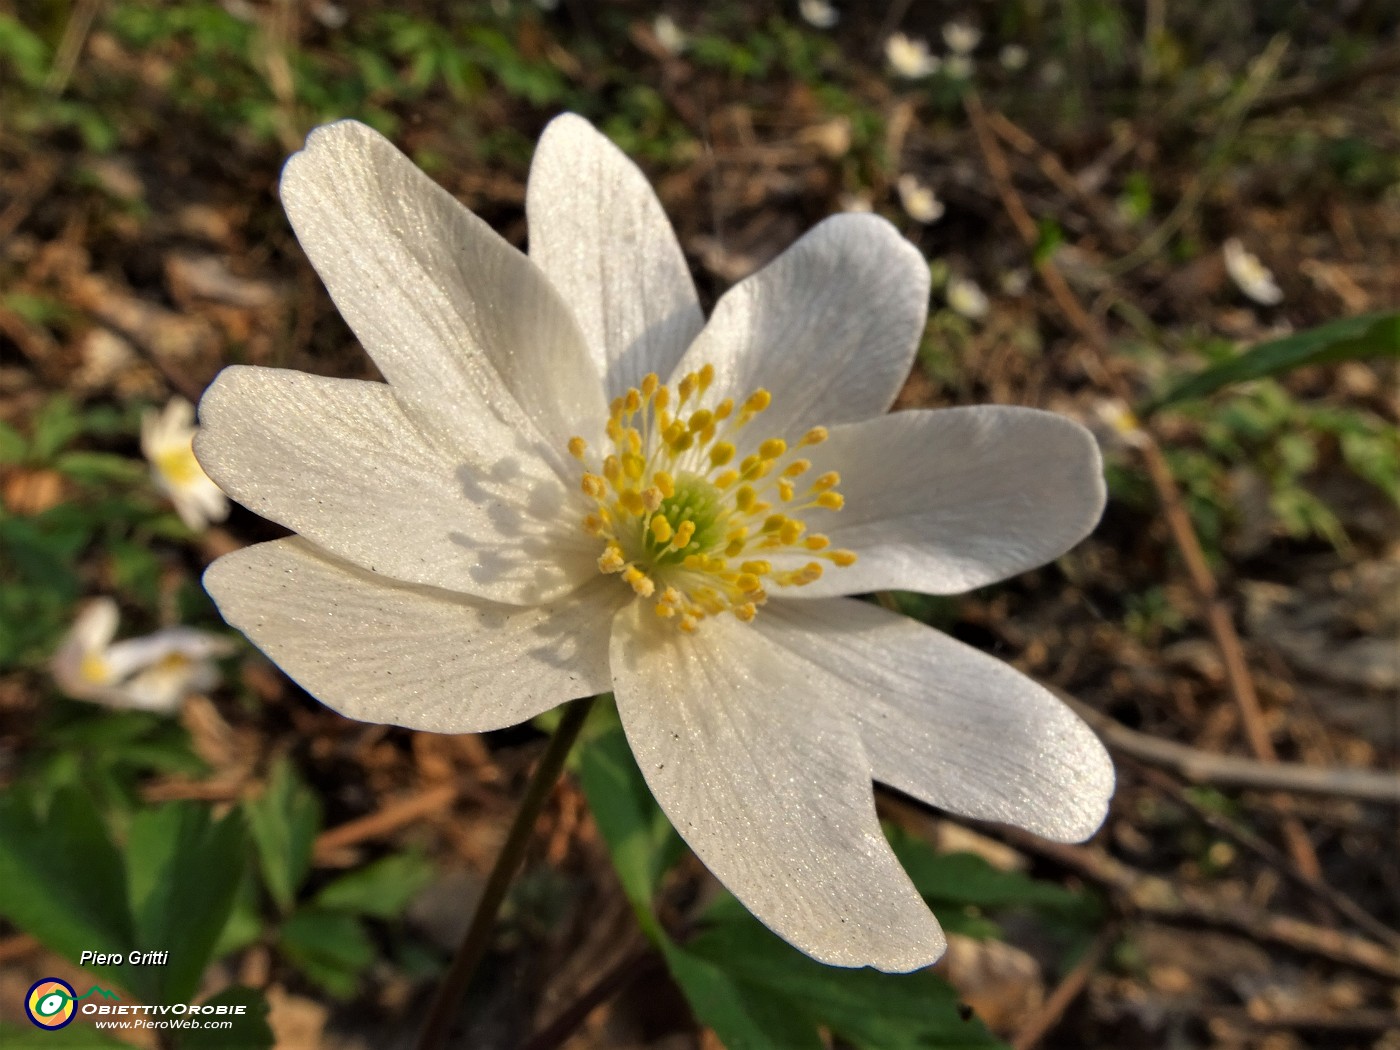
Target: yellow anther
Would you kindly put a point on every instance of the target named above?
(815, 436)
(786, 490)
(721, 454)
(594, 486)
(612, 469)
(634, 466)
(791, 531)
(661, 529)
(829, 480)
(735, 547)
(745, 498)
(774, 522)
(663, 398)
(843, 557)
(772, 448)
(683, 443)
(759, 400)
(615, 409)
(687, 387)
(577, 447)
(724, 409)
(700, 419)
(665, 483)
(726, 479)
(672, 433)
(631, 401)
(593, 524)
(639, 581)
(796, 467)
(747, 582)
(816, 542)
(611, 560)
(689, 623)
(664, 611)
(650, 382)
(831, 500)
(746, 612)
(634, 440)
(758, 568)
(652, 498)
(685, 532)
(631, 501)
(707, 376)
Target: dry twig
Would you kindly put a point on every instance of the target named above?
(1203, 583)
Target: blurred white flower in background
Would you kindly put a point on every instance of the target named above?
(152, 673)
(166, 442)
(966, 297)
(910, 58)
(573, 483)
(961, 37)
(669, 35)
(818, 13)
(859, 202)
(919, 201)
(1015, 282)
(1014, 58)
(1249, 274)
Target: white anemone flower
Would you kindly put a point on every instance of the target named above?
(669, 35)
(572, 483)
(1249, 274)
(909, 57)
(919, 201)
(962, 38)
(966, 297)
(1014, 58)
(167, 439)
(152, 673)
(820, 14)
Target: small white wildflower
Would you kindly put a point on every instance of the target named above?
(167, 438)
(958, 67)
(910, 58)
(669, 35)
(962, 38)
(919, 201)
(966, 297)
(821, 14)
(1015, 282)
(1249, 274)
(858, 202)
(1014, 58)
(152, 673)
(572, 482)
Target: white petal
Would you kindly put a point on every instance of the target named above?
(951, 725)
(946, 500)
(412, 656)
(747, 750)
(92, 632)
(469, 333)
(339, 462)
(601, 237)
(829, 327)
(133, 655)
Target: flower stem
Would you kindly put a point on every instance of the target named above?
(447, 1001)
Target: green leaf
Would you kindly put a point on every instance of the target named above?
(1370, 335)
(741, 1015)
(382, 889)
(640, 839)
(12, 445)
(866, 1008)
(184, 871)
(250, 1029)
(965, 879)
(284, 820)
(95, 468)
(55, 425)
(331, 948)
(63, 880)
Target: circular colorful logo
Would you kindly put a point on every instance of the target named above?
(50, 1003)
